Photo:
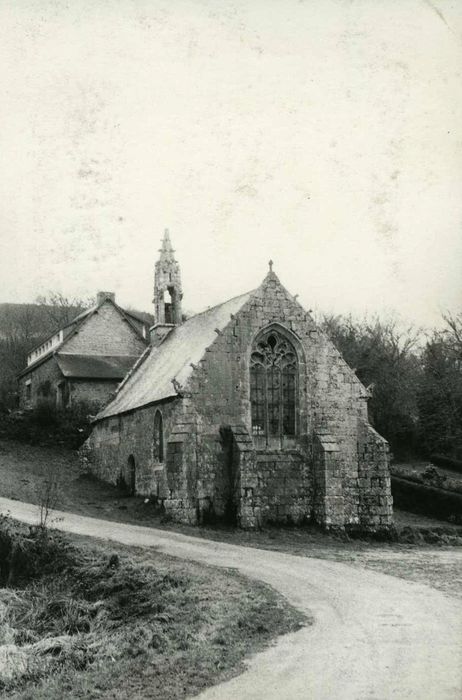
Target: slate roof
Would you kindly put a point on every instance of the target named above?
(74, 326)
(88, 312)
(151, 378)
(95, 366)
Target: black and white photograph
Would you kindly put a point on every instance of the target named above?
(231, 349)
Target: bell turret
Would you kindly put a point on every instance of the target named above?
(167, 292)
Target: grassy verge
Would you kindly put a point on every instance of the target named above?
(84, 620)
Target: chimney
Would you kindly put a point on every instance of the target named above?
(102, 296)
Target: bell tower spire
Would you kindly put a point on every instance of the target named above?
(167, 291)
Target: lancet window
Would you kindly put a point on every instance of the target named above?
(158, 437)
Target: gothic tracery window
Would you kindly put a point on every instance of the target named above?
(273, 385)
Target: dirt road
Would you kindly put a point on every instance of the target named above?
(375, 636)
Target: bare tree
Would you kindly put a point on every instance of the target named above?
(24, 326)
(453, 333)
(440, 396)
(48, 494)
(60, 309)
(387, 356)
(20, 330)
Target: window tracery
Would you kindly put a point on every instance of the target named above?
(273, 386)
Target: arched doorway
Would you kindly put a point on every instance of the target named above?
(131, 475)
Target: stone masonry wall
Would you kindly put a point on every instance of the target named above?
(281, 487)
(332, 402)
(48, 371)
(330, 393)
(255, 487)
(183, 486)
(329, 475)
(105, 333)
(174, 482)
(375, 502)
(243, 459)
(114, 439)
(93, 391)
(335, 472)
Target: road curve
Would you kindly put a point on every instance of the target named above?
(375, 636)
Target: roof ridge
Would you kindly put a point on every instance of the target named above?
(136, 314)
(212, 308)
(137, 363)
(80, 316)
(98, 354)
(77, 322)
(126, 317)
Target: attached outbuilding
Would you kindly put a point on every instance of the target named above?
(86, 360)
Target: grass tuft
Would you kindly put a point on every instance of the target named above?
(84, 621)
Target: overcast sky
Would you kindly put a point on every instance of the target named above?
(325, 135)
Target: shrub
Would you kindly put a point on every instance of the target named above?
(26, 556)
(447, 462)
(428, 500)
(46, 425)
(44, 415)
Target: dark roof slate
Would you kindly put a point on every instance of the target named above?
(152, 377)
(95, 366)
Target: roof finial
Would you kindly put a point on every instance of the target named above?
(166, 248)
(270, 263)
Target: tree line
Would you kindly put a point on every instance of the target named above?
(23, 327)
(415, 379)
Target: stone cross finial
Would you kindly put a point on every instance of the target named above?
(166, 248)
(270, 263)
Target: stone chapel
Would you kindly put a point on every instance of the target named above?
(245, 412)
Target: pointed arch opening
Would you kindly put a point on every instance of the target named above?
(168, 302)
(274, 372)
(158, 441)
